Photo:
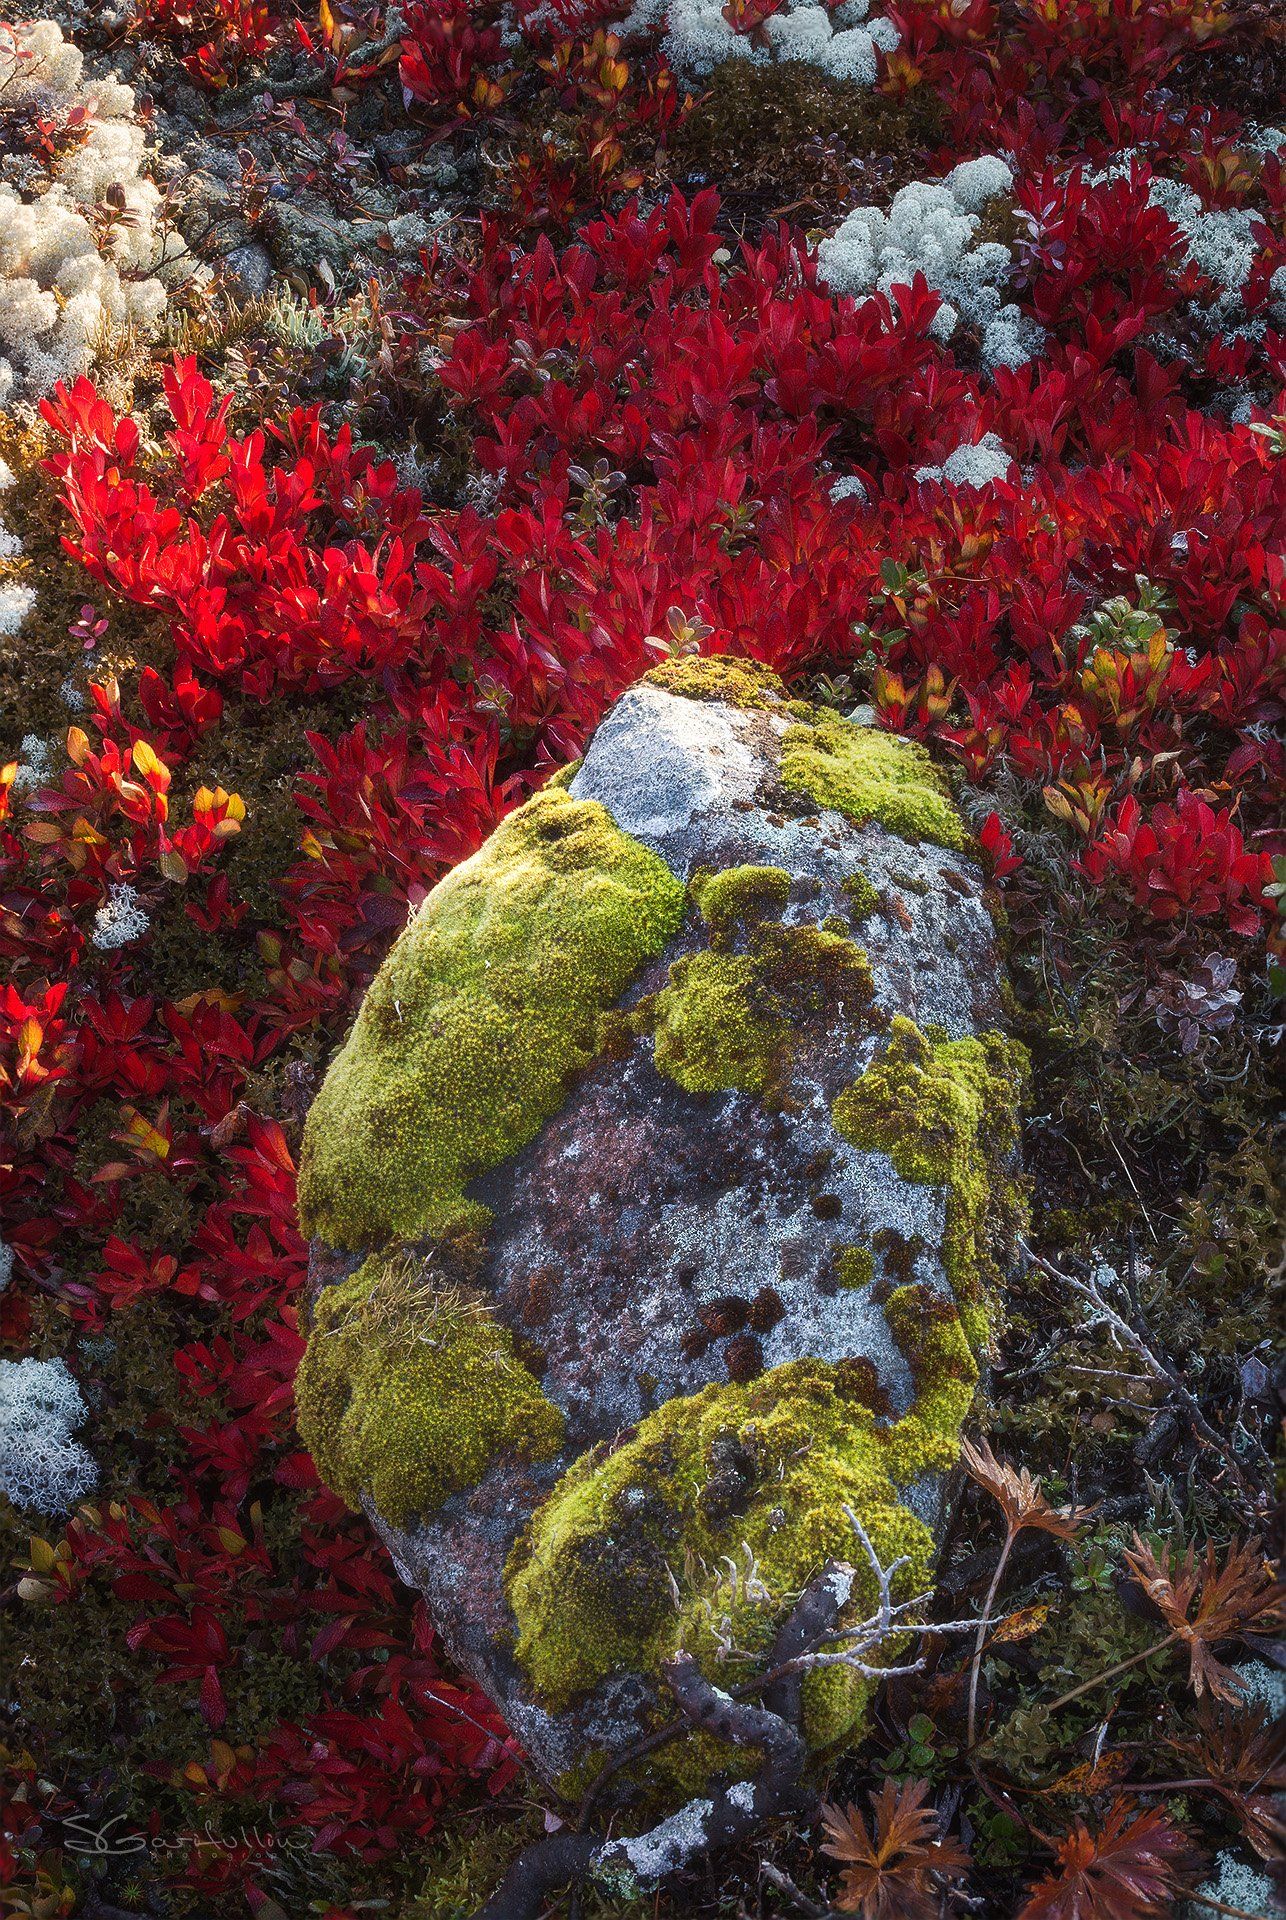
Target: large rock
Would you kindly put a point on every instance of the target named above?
(660, 1196)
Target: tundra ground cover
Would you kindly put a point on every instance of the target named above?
(328, 578)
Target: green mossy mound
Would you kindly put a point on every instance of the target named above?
(406, 1396)
(486, 1005)
(708, 1033)
(703, 1528)
(861, 895)
(737, 896)
(854, 1268)
(946, 1113)
(868, 775)
(729, 1020)
(736, 681)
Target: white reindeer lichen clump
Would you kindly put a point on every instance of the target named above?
(81, 232)
(42, 1468)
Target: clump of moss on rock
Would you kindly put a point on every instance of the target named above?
(736, 896)
(861, 894)
(945, 1112)
(405, 1396)
(628, 1559)
(486, 1005)
(735, 681)
(854, 1268)
(728, 1020)
(868, 775)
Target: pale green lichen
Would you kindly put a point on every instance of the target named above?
(486, 1005)
(407, 1394)
(946, 1113)
(730, 1020)
(868, 775)
(632, 1555)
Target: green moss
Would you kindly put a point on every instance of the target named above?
(855, 1267)
(737, 896)
(563, 777)
(631, 1556)
(862, 896)
(706, 1033)
(934, 1338)
(726, 1020)
(945, 1112)
(408, 1396)
(736, 681)
(470, 1030)
(868, 775)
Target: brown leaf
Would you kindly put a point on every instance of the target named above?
(1091, 1776)
(887, 1877)
(1203, 1602)
(1128, 1870)
(1019, 1495)
(1242, 1751)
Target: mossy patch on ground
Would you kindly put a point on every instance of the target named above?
(407, 1396)
(786, 135)
(486, 1005)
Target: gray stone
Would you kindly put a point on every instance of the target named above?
(639, 1204)
(250, 268)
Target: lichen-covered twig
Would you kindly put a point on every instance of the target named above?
(808, 1622)
(538, 1872)
(796, 1895)
(811, 1618)
(701, 1826)
(705, 1826)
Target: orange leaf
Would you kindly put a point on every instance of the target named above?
(1021, 1625)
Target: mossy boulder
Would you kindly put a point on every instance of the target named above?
(662, 1197)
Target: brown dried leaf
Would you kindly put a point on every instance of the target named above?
(1091, 1776)
(1203, 1602)
(887, 1877)
(1242, 1752)
(1022, 1624)
(1019, 1494)
(1129, 1870)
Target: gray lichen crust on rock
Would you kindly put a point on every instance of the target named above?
(673, 1150)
